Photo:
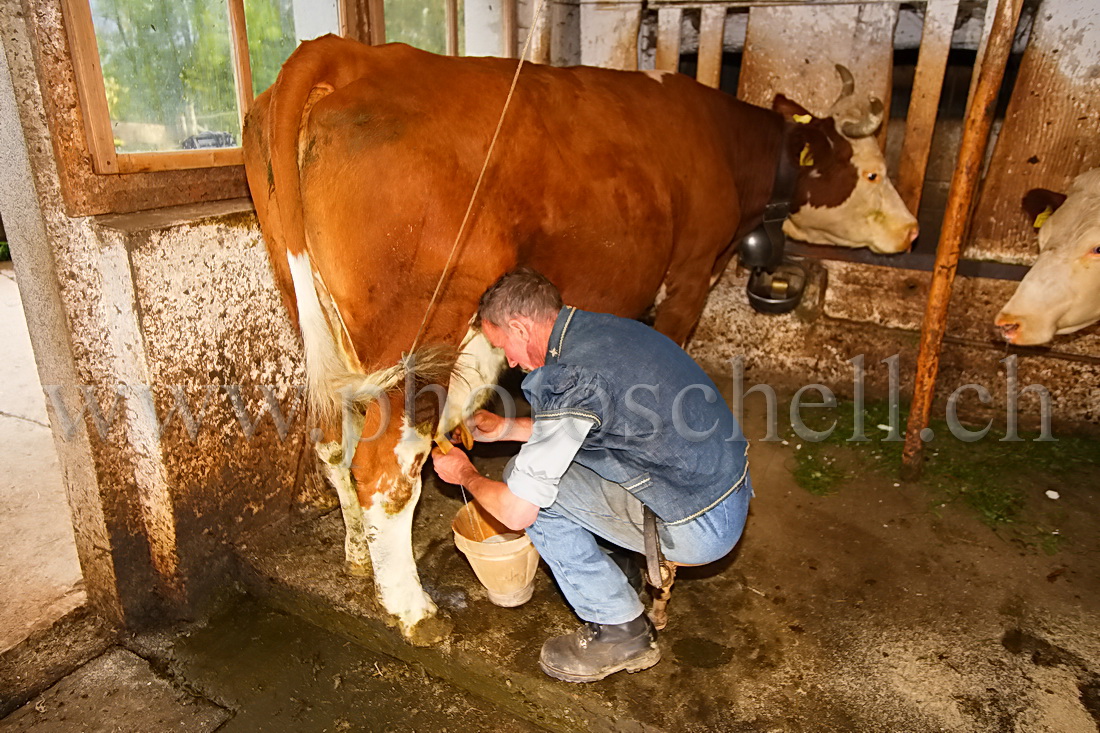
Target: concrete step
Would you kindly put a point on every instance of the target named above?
(722, 642)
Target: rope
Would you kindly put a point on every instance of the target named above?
(480, 178)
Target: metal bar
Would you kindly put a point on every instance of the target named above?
(668, 39)
(762, 3)
(964, 184)
(711, 29)
(242, 65)
(935, 44)
(920, 261)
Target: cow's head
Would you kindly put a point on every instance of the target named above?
(842, 195)
(1061, 292)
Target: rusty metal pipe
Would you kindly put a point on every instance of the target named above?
(964, 184)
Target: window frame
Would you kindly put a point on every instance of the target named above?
(95, 179)
(106, 160)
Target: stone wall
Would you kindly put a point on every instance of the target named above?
(137, 316)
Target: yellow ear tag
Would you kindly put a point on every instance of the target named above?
(806, 158)
(802, 119)
(1042, 218)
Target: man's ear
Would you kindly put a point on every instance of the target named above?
(1041, 202)
(520, 327)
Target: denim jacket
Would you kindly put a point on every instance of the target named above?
(660, 427)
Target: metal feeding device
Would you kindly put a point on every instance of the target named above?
(777, 283)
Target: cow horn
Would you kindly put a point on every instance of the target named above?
(868, 124)
(848, 82)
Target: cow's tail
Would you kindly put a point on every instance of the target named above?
(317, 68)
(337, 386)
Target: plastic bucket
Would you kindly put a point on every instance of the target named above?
(503, 560)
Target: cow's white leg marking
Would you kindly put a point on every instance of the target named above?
(322, 362)
(355, 529)
(395, 575)
(478, 365)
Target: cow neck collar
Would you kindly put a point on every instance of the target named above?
(778, 207)
(557, 335)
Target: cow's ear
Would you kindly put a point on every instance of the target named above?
(1040, 203)
(790, 109)
(808, 146)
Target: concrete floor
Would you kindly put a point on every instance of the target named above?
(250, 669)
(39, 575)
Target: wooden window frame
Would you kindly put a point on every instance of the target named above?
(71, 83)
(106, 160)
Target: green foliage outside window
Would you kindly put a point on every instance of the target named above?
(420, 23)
(168, 64)
(271, 39)
(167, 71)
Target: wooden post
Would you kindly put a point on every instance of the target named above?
(964, 183)
(712, 27)
(509, 43)
(89, 85)
(376, 22)
(668, 39)
(935, 43)
(242, 64)
(452, 27)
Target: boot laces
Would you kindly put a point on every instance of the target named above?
(588, 633)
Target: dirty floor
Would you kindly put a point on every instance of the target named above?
(880, 606)
(876, 608)
(250, 669)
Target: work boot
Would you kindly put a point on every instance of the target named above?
(595, 651)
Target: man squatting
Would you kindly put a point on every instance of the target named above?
(587, 465)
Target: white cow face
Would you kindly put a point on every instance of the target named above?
(843, 196)
(1061, 292)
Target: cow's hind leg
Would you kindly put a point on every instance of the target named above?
(388, 509)
(356, 552)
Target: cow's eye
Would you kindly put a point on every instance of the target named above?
(872, 177)
(1096, 250)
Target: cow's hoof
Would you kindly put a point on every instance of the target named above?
(430, 631)
(358, 569)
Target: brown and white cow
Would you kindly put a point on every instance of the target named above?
(1061, 292)
(616, 185)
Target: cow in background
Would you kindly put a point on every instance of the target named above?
(1061, 292)
(616, 185)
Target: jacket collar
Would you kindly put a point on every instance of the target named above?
(557, 335)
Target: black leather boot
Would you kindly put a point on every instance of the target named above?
(595, 651)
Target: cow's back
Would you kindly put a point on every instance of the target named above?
(596, 177)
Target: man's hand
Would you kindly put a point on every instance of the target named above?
(455, 467)
(487, 427)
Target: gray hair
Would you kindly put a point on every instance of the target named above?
(520, 292)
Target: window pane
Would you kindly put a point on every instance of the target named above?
(420, 23)
(168, 73)
(276, 27)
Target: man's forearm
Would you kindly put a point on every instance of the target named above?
(498, 500)
(518, 430)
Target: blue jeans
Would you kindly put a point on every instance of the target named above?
(589, 506)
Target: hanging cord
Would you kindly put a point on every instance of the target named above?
(480, 178)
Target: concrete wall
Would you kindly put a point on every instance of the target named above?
(135, 310)
(853, 309)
